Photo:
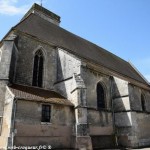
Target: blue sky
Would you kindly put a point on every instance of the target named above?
(120, 26)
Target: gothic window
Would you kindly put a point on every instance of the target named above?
(143, 102)
(100, 96)
(38, 69)
(46, 113)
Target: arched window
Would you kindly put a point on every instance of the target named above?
(143, 102)
(38, 69)
(100, 96)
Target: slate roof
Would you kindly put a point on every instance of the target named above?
(38, 94)
(48, 32)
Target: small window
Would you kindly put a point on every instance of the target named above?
(143, 102)
(46, 113)
(100, 96)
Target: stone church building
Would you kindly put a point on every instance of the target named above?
(60, 90)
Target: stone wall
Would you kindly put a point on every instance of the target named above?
(13, 64)
(67, 66)
(71, 85)
(26, 49)
(142, 129)
(100, 121)
(30, 131)
(5, 108)
(91, 78)
(141, 117)
(6, 131)
(135, 98)
(6, 55)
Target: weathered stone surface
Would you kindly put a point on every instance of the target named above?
(102, 142)
(91, 79)
(123, 119)
(120, 88)
(6, 55)
(30, 130)
(27, 48)
(67, 64)
(7, 119)
(135, 98)
(147, 101)
(142, 127)
(83, 143)
(121, 104)
(100, 118)
(100, 130)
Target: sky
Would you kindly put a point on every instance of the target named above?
(120, 26)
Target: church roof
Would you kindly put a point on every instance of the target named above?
(53, 34)
(29, 93)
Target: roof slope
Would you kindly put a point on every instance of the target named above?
(38, 94)
(44, 30)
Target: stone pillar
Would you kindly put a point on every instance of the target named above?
(5, 62)
(124, 117)
(83, 140)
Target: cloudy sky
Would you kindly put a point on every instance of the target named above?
(120, 26)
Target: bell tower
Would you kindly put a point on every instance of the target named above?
(43, 13)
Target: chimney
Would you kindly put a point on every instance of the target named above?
(43, 13)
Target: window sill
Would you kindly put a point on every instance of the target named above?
(46, 123)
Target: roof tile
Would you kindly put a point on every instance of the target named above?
(37, 94)
(48, 32)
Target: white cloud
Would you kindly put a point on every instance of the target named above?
(8, 7)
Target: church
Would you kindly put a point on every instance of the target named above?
(61, 91)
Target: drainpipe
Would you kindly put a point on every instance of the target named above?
(113, 113)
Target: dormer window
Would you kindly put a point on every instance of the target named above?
(38, 69)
